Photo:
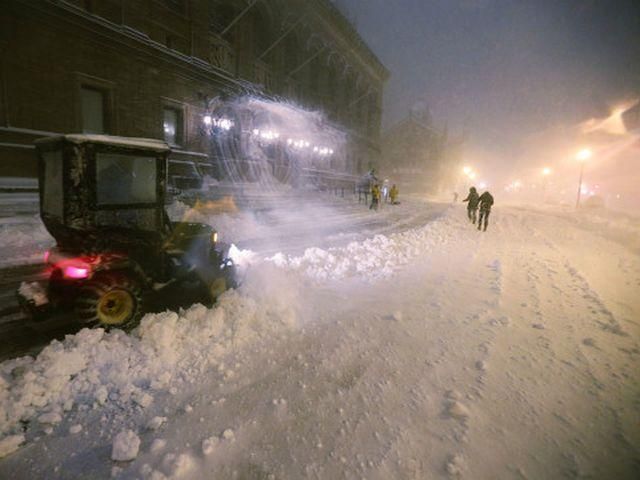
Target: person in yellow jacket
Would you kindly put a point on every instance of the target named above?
(393, 194)
(375, 197)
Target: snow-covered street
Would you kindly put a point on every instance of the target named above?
(425, 349)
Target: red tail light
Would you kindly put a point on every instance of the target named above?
(75, 272)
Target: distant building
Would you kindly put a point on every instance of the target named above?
(417, 155)
(148, 68)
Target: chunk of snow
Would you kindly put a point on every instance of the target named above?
(455, 465)
(34, 292)
(101, 394)
(50, 418)
(209, 445)
(157, 445)
(143, 399)
(228, 435)
(10, 444)
(242, 257)
(177, 466)
(74, 429)
(457, 410)
(156, 422)
(126, 445)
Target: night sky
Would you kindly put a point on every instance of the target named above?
(504, 70)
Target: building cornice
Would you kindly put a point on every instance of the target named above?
(334, 19)
(62, 14)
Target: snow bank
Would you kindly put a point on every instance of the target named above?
(23, 240)
(377, 257)
(95, 368)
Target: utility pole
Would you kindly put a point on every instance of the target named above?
(580, 185)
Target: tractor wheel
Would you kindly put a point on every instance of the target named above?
(110, 300)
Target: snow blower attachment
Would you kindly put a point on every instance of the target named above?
(102, 199)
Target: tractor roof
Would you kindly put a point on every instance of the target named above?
(131, 142)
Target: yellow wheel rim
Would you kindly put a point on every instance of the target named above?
(218, 287)
(115, 307)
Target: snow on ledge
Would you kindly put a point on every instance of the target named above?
(148, 143)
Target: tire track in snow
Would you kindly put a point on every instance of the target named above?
(565, 301)
(522, 351)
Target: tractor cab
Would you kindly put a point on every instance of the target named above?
(102, 198)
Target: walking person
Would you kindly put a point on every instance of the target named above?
(486, 202)
(375, 197)
(472, 206)
(393, 194)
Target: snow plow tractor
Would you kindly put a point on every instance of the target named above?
(102, 199)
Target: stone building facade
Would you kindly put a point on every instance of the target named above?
(148, 68)
(420, 157)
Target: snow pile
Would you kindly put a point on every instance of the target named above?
(14, 234)
(95, 368)
(377, 257)
(23, 240)
(10, 444)
(34, 292)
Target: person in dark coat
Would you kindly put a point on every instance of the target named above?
(486, 202)
(472, 206)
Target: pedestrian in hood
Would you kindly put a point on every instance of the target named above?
(486, 202)
(472, 206)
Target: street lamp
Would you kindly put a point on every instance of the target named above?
(582, 156)
(546, 171)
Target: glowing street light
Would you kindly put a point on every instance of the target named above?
(546, 171)
(466, 170)
(582, 156)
